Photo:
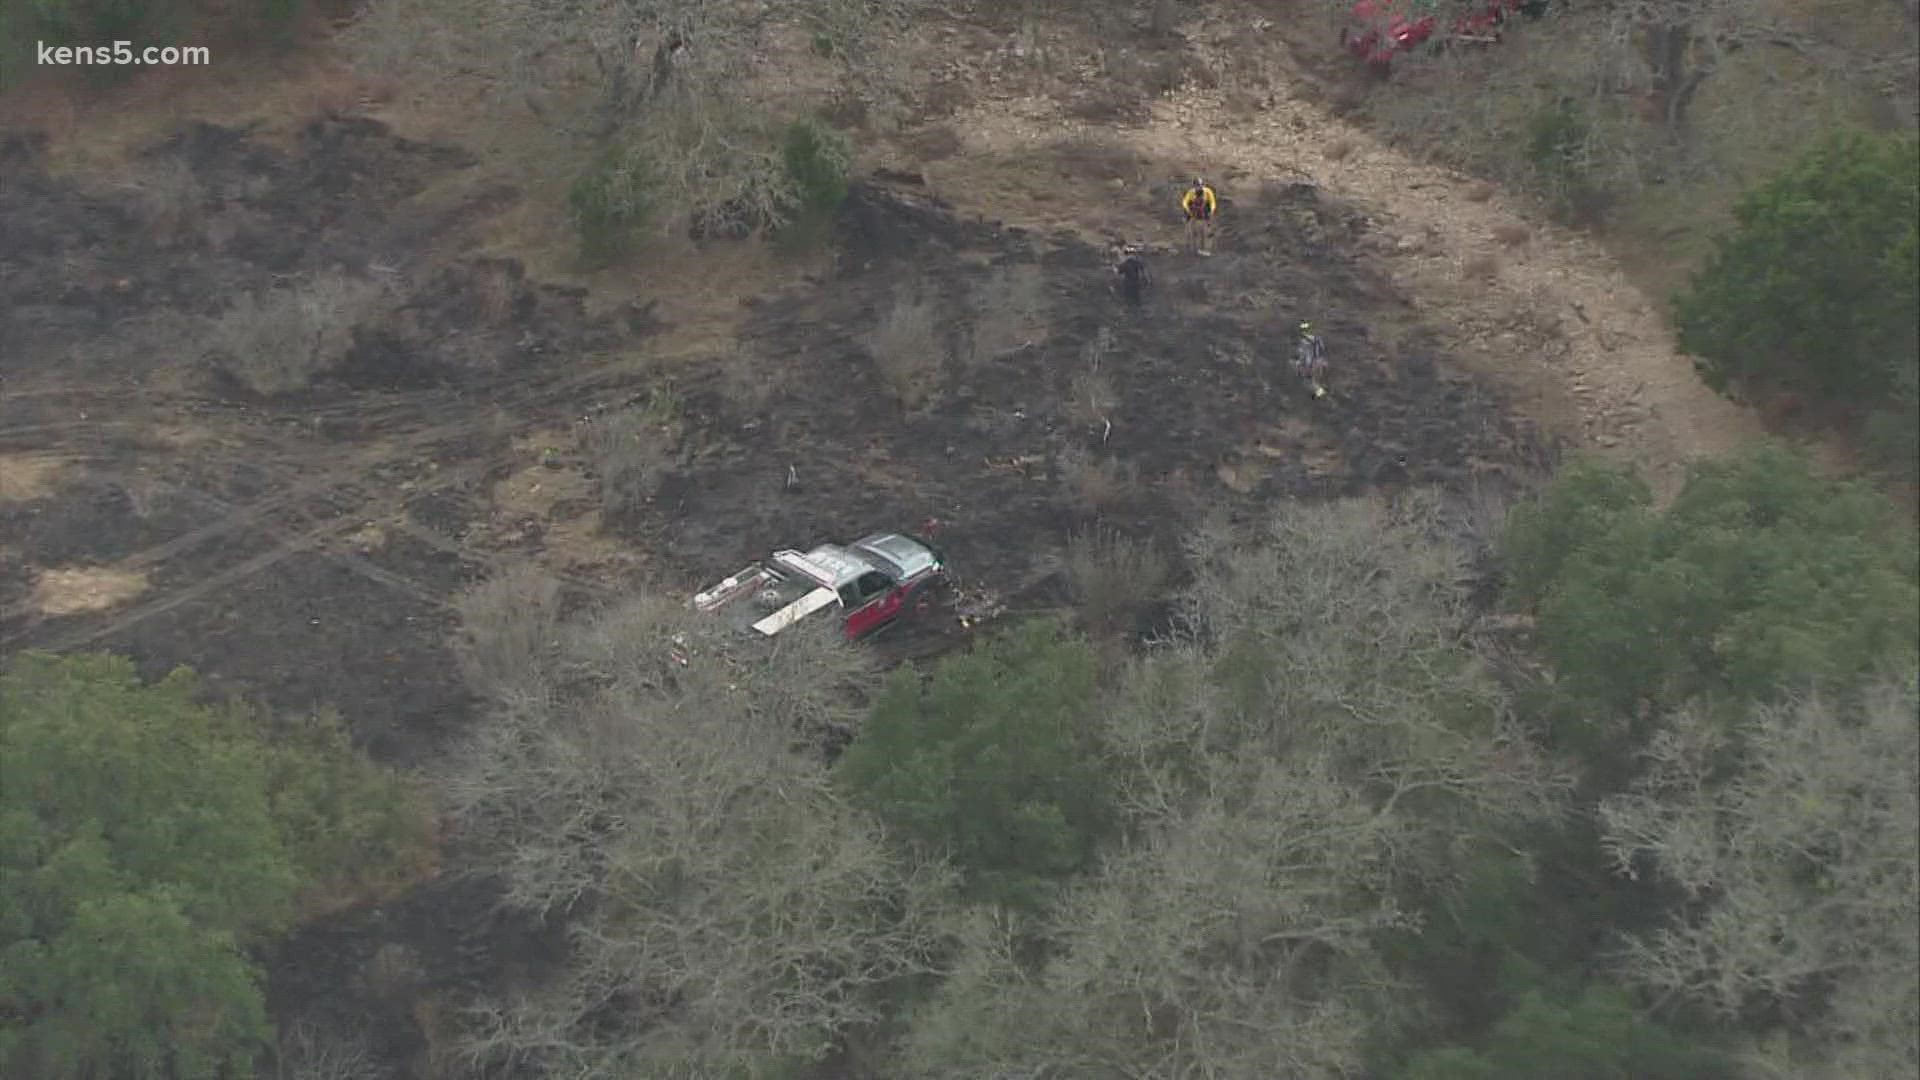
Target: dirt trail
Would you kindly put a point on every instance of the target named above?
(1583, 352)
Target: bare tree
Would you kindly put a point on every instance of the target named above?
(1801, 864)
(1310, 743)
(509, 631)
(310, 1051)
(725, 907)
(1341, 631)
(1230, 942)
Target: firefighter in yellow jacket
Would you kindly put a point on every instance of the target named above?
(1199, 204)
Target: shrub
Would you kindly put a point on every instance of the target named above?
(510, 627)
(277, 341)
(1097, 484)
(1817, 287)
(1009, 311)
(1116, 579)
(818, 160)
(309, 1051)
(610, 203)
(989, 762)
(1557, 152)
(630, 450)
(907, 349)
(1796, 832)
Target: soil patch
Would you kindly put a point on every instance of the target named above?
(74, 590)
(25, 477)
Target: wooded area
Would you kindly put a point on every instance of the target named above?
(1651, 816)
(1595, 785)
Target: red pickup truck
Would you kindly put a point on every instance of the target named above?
(866, 584)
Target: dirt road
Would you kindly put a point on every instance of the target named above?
(1543, 310)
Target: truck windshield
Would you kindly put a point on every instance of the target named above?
(882, 563)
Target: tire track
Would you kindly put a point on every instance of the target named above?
(536, 400)
(292, 542)
(399, 525)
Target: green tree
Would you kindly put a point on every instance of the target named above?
(140, 859)
(817, 160)
(1598, 1036)
(353, 828)
(1760, 576)
(1817, 287)
(990, 762)
(147, 842)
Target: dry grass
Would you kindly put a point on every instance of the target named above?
(1115, 579)
(499, 289)
(1093, 400)
(945, 97)
(277, 341)
(1110, 101)
(170, 201)
(25, 477)
(334, 100)
(908, 352)
(1009, 312)
(1096, 484)
(1512, 235)
(380, 89)
(393, 974)
(1097, 157)
(936, 142)
(751, 382)
(439, 1026)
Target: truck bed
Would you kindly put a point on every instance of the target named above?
(766, 598)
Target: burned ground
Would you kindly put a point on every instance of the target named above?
(303, 548)
(1204, 415)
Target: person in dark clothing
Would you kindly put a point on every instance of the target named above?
(1134, 278)
(1310, 359)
